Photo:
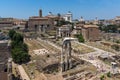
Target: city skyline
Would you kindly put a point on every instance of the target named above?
(89, 9)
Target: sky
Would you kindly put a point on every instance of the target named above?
(89, 9)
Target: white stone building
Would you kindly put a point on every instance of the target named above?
(68, 16)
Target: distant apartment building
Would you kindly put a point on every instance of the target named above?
(81, 21)
(9, 23)
(117, 20)
(102, 22)
(42, 24)
(96, 21)
(6, 23)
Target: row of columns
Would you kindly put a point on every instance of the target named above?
(62, 33)
(41, 28)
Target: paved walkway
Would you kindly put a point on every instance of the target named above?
(23, 73)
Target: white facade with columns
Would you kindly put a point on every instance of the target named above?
(68, 16)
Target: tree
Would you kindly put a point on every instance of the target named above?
(21, 45)
(11, 33)
(109, 28)
(20, 56)
(80, 38)
(24, 47)
(19, 48)
(15, 44)
(18, 37)
(59, 15)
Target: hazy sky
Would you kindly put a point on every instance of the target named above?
(89, 9)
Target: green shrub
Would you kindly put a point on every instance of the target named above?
(80, 38)
(115, 47)
(108, 74)
(118, 41)
(11, 33)
(102, 77)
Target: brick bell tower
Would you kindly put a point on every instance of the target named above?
(40, 13)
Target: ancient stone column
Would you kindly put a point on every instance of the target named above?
(61, 68)
(66, 56)
(66, 59)
(44, 28)
(59, 33)
(39, 29)
(69, 56)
